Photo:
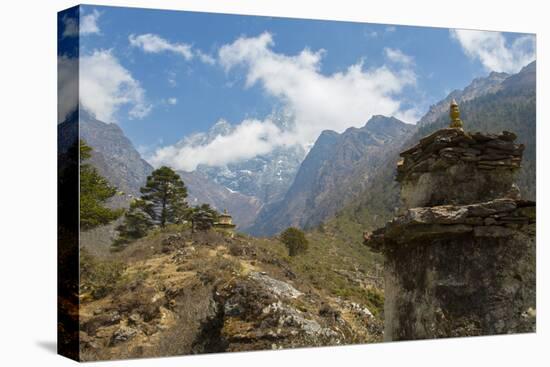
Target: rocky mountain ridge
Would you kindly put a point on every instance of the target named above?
(265, 177)
(114, 155)
(512, 108)
(477, 88)
(335, 170)
(117, 160)
(267, 193)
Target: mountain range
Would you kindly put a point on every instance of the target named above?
(334, 172)
(354, 178)
(265, 177)
(344, 175)
(477, 88)
(510, 105)
(116, 158)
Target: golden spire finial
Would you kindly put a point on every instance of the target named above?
(456, 122)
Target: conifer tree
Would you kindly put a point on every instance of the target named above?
(137, 224)
(95, 190)
(202, 217)
(162, 202)
(164, 196)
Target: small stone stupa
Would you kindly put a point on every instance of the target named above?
(225, 222)
(460, 257)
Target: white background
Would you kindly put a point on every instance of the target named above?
(28, 181)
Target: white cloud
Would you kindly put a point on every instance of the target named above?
(315, 100)
(318, 101)
(172, 100)
(88, 23)
(397, 56)
(207, 59)
(155, 44)
(390, 28)
(70, 27)
(371, 34)
(172, 78)
(411, 115)
(249, 139)
(494, 52)
(106, 86)
(67, 84)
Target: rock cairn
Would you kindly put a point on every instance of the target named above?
(452, 166)
(447, 147)
(460, 256)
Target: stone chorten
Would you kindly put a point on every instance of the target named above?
(225, 221)
(460, 257)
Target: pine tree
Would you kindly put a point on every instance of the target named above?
(164, 196)
(95, 190)
(137, 224)
(202, 217)
(162, 202)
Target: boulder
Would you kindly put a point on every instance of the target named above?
(123, 334)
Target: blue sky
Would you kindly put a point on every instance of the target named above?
(164, 75)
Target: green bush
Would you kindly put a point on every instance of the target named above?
(375, 299)
(98, 277)
(295, 241)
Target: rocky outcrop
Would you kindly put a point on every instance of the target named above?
(264, 313)
(460, 257)
(191, 293)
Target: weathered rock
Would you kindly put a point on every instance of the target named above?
(449, 220)
(439, 214)
(123, 334)
(491, 207)
(259, 311)
(493, 231)
(508, 136)
(278, 287)
(455, 183)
